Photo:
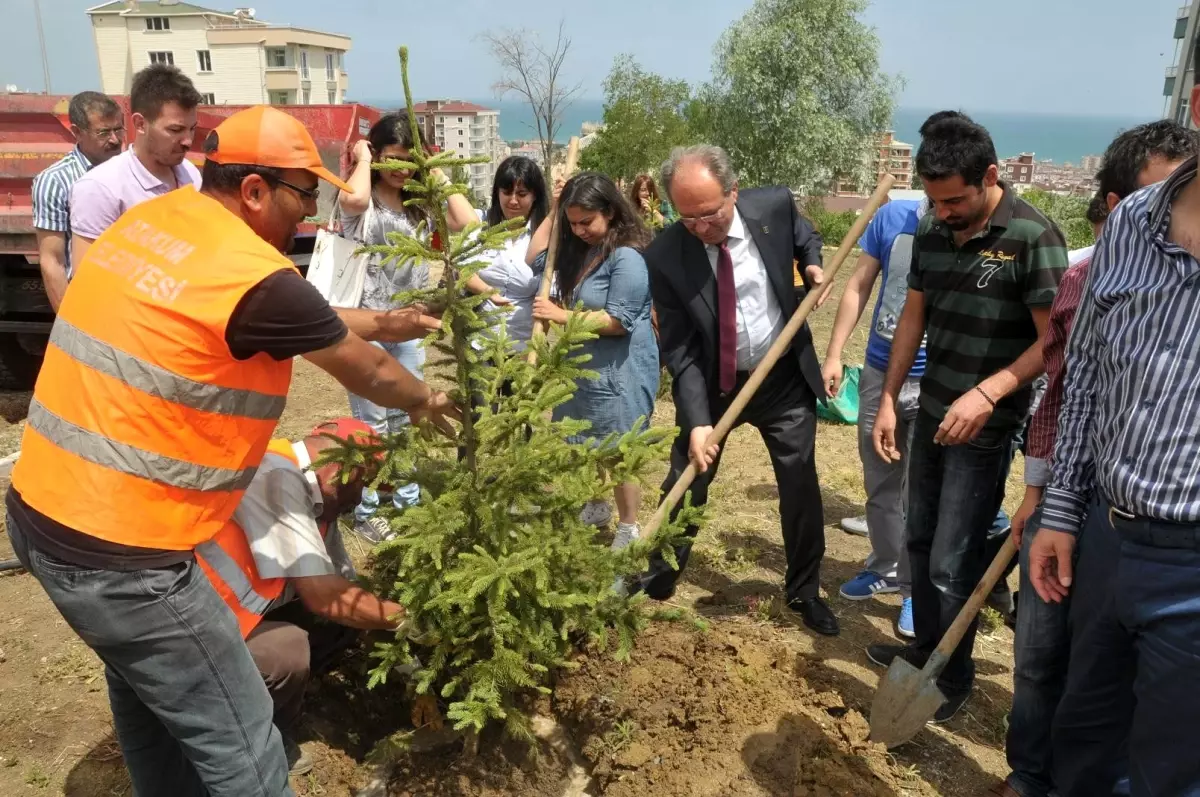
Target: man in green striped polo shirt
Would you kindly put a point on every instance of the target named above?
(986, 265)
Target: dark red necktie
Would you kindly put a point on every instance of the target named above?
(726, 319)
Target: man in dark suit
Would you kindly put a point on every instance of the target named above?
(721, 279)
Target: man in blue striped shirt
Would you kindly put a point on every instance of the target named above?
(99, 130)
(1127, 458)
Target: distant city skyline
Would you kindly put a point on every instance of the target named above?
(1041, 56)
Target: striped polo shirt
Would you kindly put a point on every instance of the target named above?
(977, 302)
(52, 194)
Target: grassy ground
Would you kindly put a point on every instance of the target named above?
(55, 727)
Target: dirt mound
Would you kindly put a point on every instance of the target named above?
(721, 713)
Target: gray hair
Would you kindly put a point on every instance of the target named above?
(712, 157)
(87, 102)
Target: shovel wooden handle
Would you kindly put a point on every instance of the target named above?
(954, 634)
(777, 350)
(541, 327)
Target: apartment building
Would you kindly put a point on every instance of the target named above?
(888, 155)
(232, 57)
(1019, 170)
(1180, 76)
(470, 130)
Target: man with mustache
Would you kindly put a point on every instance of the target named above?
(99, 130)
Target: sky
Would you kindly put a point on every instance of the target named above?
(1091, 57)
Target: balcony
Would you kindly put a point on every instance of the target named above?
(1181, 21)
(1172, 72)
(1184, 11)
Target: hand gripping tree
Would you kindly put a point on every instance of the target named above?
(500, 579)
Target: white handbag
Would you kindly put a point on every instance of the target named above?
(335, 269)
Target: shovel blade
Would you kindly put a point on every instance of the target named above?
(907, 699)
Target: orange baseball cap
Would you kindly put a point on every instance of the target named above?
(266, 136)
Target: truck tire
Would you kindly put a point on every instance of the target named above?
(18, 367)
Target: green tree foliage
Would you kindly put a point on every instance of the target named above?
(500, 579)
(797, 93)
(832, 226)
(645, 115)
(1068, 212)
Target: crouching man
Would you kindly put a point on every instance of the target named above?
(281, 566)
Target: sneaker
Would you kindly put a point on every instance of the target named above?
(855, 525)
(867, 584)
(298, 761)
(596, 513)
(904, 625)
(626, 533)
(954, 701)
(374, 530)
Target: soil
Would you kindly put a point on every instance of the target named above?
(722, 713)
(734, 698)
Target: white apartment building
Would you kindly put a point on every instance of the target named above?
(470, 130)
(233, 58)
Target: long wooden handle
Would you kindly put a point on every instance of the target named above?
(776, 351)
(966, 615)
(541, 327)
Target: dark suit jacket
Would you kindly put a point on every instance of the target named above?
(684, 290)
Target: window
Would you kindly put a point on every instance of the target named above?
(204, 60)
(158, 23)
(278, 97)
(304, 64)
(1183, 114)
(329, 66)
(162, 58)
(460, 120)
(306, 98)
(276, 58)
(329, 96)
(208, 99)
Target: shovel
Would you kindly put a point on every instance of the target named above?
(907, 697)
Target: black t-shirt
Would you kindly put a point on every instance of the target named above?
(283, 316)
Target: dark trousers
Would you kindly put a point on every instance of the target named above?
(1040, 653)
(785, 413)
(952, 502)
(288, 645)
(1133, 685)
(189, 706)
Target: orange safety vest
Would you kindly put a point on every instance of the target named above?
(229, 563)
(144, 430)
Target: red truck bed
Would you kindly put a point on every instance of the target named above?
(35, 133)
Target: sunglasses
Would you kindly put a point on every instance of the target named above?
(307, 193)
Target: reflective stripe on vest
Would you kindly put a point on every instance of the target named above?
(100, 450)
(234, 577)
(161, 383)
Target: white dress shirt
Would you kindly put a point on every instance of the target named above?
(759, 317)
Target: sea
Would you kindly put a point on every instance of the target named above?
(1057, 137)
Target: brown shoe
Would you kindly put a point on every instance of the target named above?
(1001, 789)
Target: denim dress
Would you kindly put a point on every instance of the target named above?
(627, 365)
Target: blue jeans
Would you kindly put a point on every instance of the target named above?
(1133, 686)
(1040, 652)
(385, 421)
(952, 502)
(190, 708)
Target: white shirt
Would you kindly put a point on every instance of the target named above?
(759, 318)
(509, 274)
(278, 514)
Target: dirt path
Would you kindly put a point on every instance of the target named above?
(754, 704)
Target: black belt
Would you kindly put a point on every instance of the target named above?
(1155, 533)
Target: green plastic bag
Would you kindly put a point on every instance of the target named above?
(843, 408)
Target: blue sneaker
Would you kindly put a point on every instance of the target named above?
(867, 584)
(904, 625)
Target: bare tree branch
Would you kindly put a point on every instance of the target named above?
(535, 73)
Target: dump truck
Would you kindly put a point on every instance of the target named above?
(35, 133)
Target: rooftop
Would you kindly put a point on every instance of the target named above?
(155, 8)
(449, 106)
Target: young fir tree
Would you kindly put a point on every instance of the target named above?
(500, 579)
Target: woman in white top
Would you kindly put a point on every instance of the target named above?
(518, 190)
(374, 209)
